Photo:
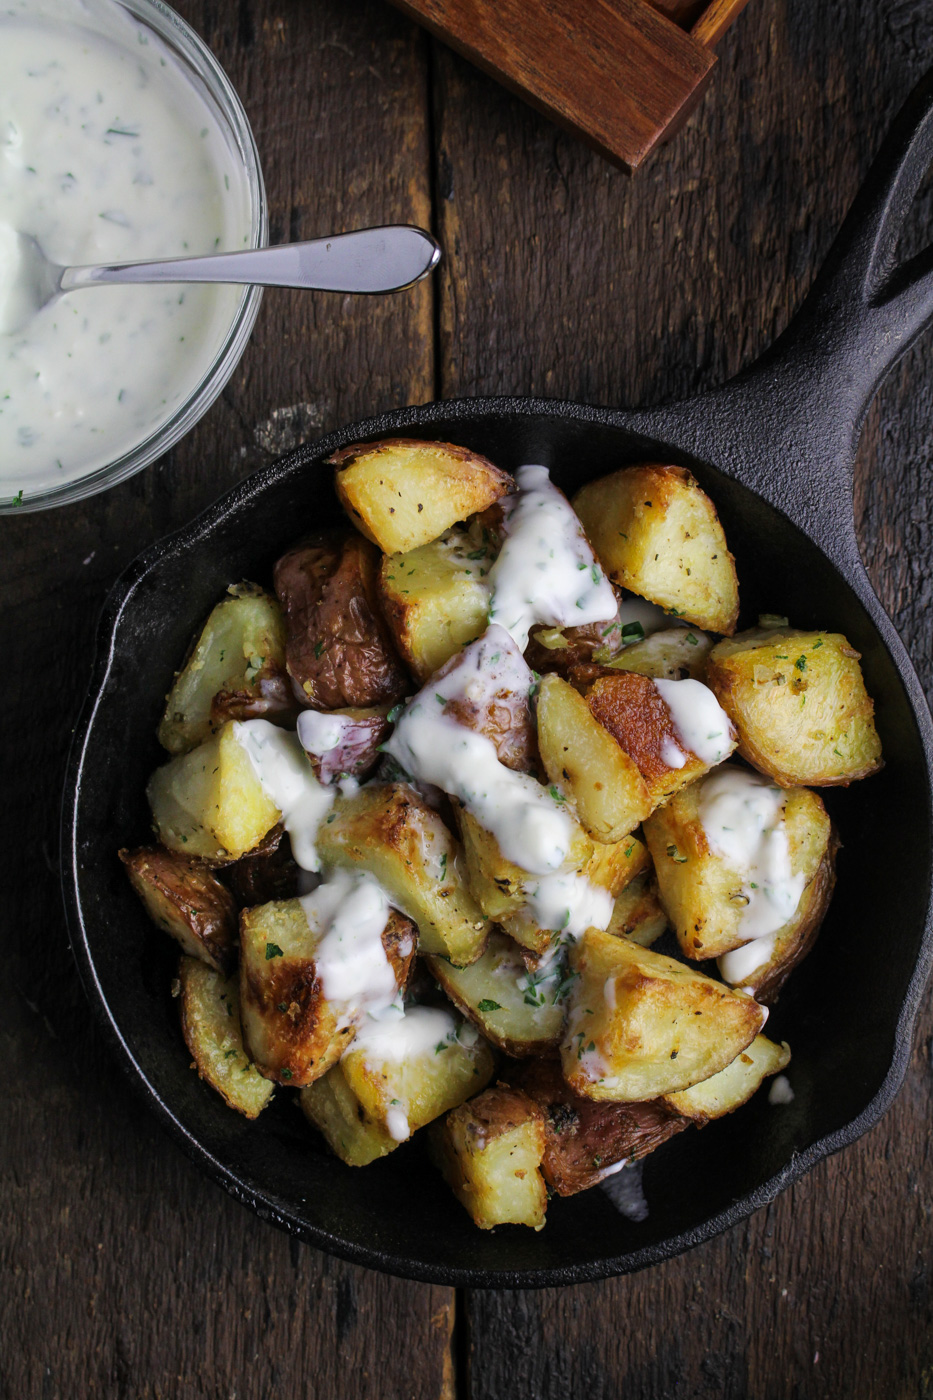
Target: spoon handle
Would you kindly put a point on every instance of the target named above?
(369, 260)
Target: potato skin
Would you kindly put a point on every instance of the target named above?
(799, 704)
(583, 1138)
(502, 712)
(339, 651)
(183, 898)
(404, 492)
(657, 533)
(269, 873)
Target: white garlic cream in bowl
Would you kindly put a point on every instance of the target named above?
(120, 139)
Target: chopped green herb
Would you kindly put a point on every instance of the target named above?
(633, 632)
(801, 663)
(286, 1074)
(487, 1005)
(318, 649)
(675, 855)
(273, 951)
(556, 793)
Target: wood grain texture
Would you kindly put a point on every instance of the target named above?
(125, 1273)
(617, 73)
(568, 280)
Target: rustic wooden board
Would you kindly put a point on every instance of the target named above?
(617, 73)
(125, 1273)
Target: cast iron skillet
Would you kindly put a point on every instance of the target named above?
(775, 449)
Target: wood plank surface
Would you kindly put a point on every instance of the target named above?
(124, 1272)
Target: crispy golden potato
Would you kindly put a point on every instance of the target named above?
(582, 758)
(799, 704)
(267, 873)
(236, 670)
(362, 732)
(338, 647)
(584, 1140)
(637, 913)
(436, 598)
(210, 1024)
(732, 1086)
(402, 493)
(516, 1010)
(706, 898)
(631, 708)
(183, 898)
(389, 830)
(209, 802)
(293, 1032)
(489, 1151)
(657, 534)
(640, 1025)
(403, 1077)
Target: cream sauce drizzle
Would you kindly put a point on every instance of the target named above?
(702, 724)
(288, 780)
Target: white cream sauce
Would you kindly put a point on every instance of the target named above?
(349, 912)
(320, 733)
(780, 1091)
(433, 747)
(569, 904)
(702, 725)
(546, 570)
(108, 153)
(288, 780)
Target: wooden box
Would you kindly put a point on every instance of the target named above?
(621, 74)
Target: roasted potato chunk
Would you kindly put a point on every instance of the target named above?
(209, 802)
(637, 913)
(338, 648)
(640, 1025)
(402, 493)
(331, 1106)
(799, 705)
(634, 711)
(343, 743)
(389, 830)
(657, 534)
(236, 670)
(706, 896)
(293, 1031)
(184, 899)
(489, 1151)
(210, 1023)
(436, 598)
(732, 1086)
(500, 707)
(501, 887)
(582, 758)
(398, 1076)
(585, 1140)
(519, 1012)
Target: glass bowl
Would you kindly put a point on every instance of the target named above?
(214, 87)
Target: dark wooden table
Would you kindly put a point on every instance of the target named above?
(123, 1272)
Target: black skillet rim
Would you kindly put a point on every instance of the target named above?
(267, 1207)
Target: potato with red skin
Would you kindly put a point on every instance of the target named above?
(266, 874)
(338, 649)
(582, 1137)
(182, 897)
(502, 711)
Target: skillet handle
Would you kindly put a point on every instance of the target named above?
(788, 425)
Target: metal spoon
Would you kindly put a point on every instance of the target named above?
(368, 260)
